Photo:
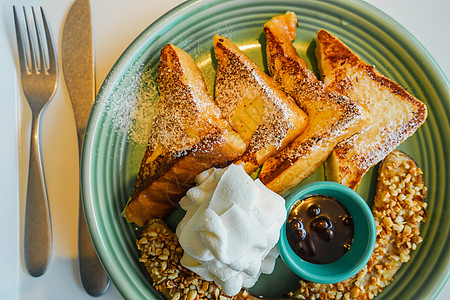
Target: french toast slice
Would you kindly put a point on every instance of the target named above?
(332, 116)
(188, 136)
(265, 117)
(396, 114)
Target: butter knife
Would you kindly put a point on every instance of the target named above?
(78, 69)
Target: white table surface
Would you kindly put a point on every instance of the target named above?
(116, 23)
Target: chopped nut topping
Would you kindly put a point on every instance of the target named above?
(398, 213)
(397, 220)
(160, 252)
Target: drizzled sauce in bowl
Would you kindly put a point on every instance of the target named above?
(319, 229)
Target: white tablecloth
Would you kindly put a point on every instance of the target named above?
(116, 23)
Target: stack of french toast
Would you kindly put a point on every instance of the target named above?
(285, 125)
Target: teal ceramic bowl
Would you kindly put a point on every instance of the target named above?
(119, 124)
(363, 239)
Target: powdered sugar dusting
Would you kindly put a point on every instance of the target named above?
(238, 80)
(134, 105)
(186, 111)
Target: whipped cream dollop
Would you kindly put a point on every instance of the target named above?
(231, 228)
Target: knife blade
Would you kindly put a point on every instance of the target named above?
(79, 74)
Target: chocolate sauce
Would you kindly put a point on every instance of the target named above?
(319, 229)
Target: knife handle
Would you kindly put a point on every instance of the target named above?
(93, 277)
(37, 242)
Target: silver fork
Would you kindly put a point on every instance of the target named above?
(38, 73)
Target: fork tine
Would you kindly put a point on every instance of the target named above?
(33, 66)
(20, 46)
(42, 63)
(52, 67)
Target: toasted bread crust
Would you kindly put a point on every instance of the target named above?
(333, 117)
(256, 108)
(162, 182)
(396, 113)
(188, 136)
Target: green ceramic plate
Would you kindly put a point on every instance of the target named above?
(117, 129)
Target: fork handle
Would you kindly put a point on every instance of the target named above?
(37, 241)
